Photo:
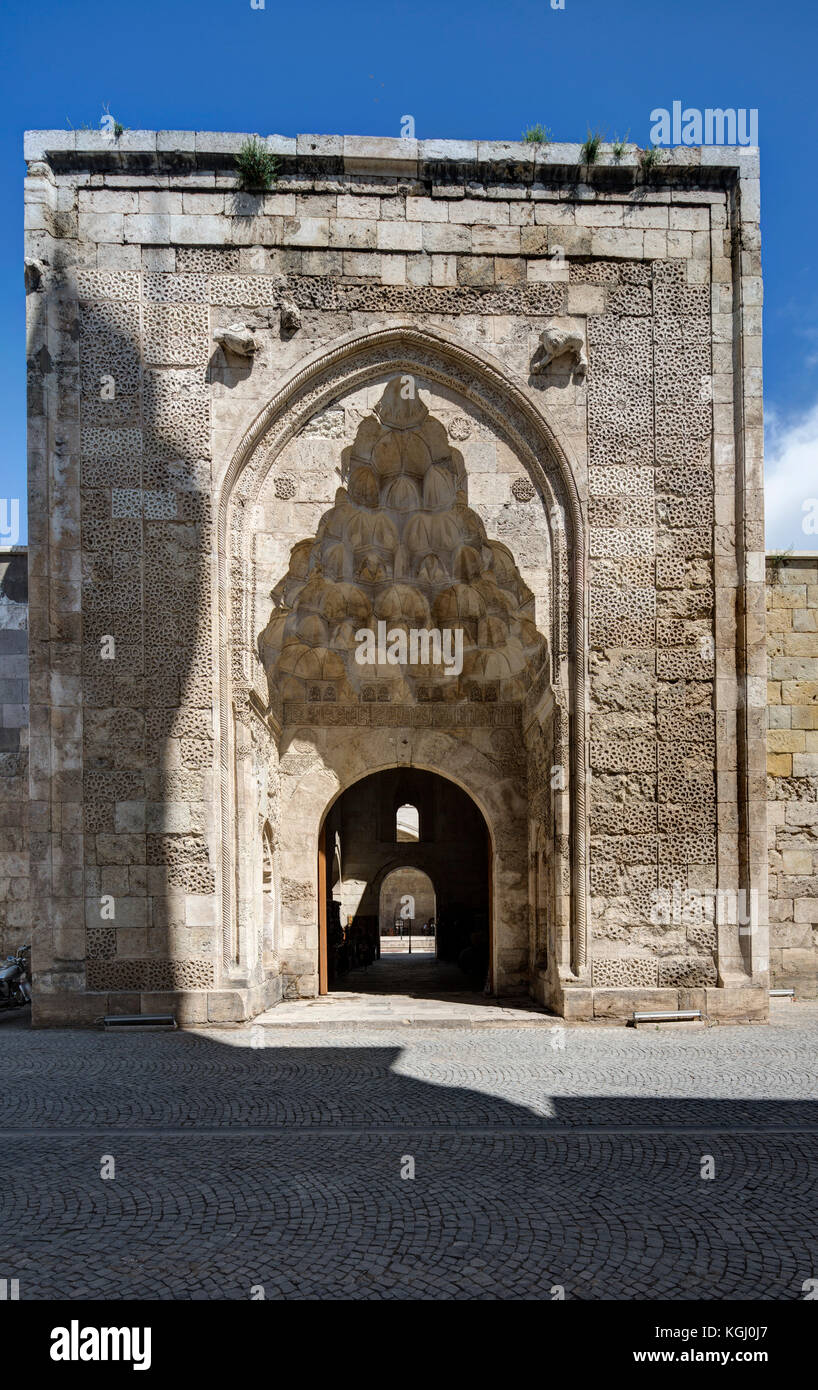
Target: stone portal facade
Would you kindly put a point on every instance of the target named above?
(453, 385)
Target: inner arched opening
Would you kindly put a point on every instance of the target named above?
(409, 917)
(407, 912)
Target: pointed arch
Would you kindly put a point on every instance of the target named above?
(518, 415)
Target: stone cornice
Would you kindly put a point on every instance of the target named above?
(438, 161)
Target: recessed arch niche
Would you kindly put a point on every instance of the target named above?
(283, 482)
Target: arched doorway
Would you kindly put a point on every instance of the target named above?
(407, 911)
(469, 663)
(448, 864)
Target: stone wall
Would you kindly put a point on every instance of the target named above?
(208, 372)
(792, 767)
(15, 909)
(792, 625)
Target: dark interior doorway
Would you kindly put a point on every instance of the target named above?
(411, 847)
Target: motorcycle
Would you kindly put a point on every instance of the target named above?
(15, 980)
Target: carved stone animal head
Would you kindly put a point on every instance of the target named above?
(556, 343)
(237, 339)
(290, 317)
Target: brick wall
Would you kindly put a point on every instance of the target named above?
(792, 766)
(15, 916)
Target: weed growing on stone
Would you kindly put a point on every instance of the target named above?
(256, 167)
(776, 562)
(650, 158)
(537, 135)
(590, 148)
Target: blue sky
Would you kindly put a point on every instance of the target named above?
(462, 70)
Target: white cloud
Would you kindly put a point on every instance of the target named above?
(791, 487)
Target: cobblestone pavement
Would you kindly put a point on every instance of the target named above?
(247, 1158)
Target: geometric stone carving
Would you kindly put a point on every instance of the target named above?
(693, 973)
(284, 486)
(625, 972)
(191, 974)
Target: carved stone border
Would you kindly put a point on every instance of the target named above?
(515, 411)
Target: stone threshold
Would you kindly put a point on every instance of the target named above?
(351, 1011)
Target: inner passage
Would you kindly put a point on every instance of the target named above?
(407, 895)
